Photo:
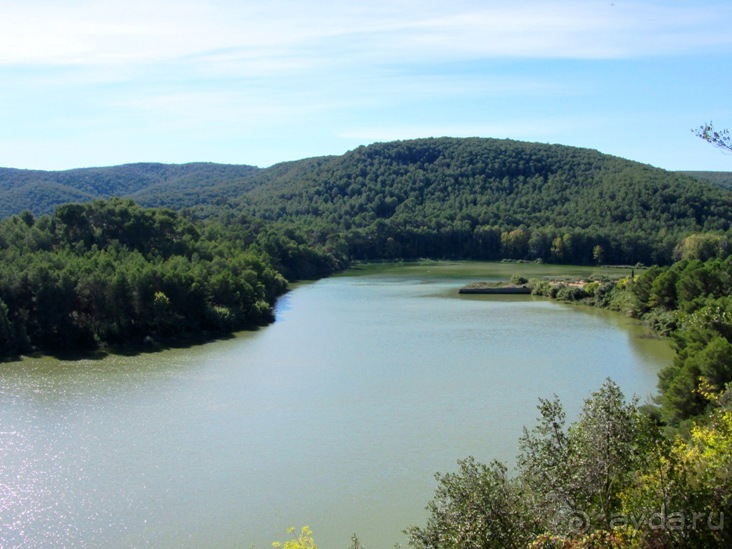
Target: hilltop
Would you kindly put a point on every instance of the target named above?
(488, 199)
(150, 184)
(720, 179)
(440, 197)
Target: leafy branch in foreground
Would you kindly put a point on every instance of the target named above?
(721, 138)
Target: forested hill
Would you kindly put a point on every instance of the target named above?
(488, 199)
(173, 185)
(720, 179)
(442, 198)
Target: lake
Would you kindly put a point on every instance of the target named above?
(336, 416)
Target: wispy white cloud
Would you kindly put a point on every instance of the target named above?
(269, 54)
(185, 71)
(222, 111)
(287, 34)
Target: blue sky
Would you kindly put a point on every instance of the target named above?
(105, 82)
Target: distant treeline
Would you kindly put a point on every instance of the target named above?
(719, 179)
(149, 184)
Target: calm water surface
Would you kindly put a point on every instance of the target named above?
(336, 416)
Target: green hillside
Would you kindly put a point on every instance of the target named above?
(721, 179)
(488, 199)
(175, 185)
(442, 198)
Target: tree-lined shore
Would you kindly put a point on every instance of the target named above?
(108, 273)
(112, 273)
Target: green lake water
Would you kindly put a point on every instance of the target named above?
(335, 416)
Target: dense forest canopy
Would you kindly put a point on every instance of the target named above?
(489, 199)
(720, 179)
(112, 272)
(457, 198)
(149, 184)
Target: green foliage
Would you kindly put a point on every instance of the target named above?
(703, 246)
(690, 300)
(571, 293)
(663, 290)
(617, 299)
(642, 286)
(543, 288)
(8, 338)
(477, 507)
(662, 322)
(170, 185)
(487, 199)
(610, 479)
(718, 138)
(591, 288)
(515, 244)
(718, 179)
(598, 254)
(599, 539)
(579, 471)
(439, 198)
(302, 541)
(605, 444)
(113, 272)
(684, 485)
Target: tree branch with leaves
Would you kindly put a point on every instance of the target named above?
(718, 138)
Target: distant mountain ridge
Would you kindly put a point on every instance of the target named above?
(199, 183)
(720, 179)
(438, 197)
(150, 184)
